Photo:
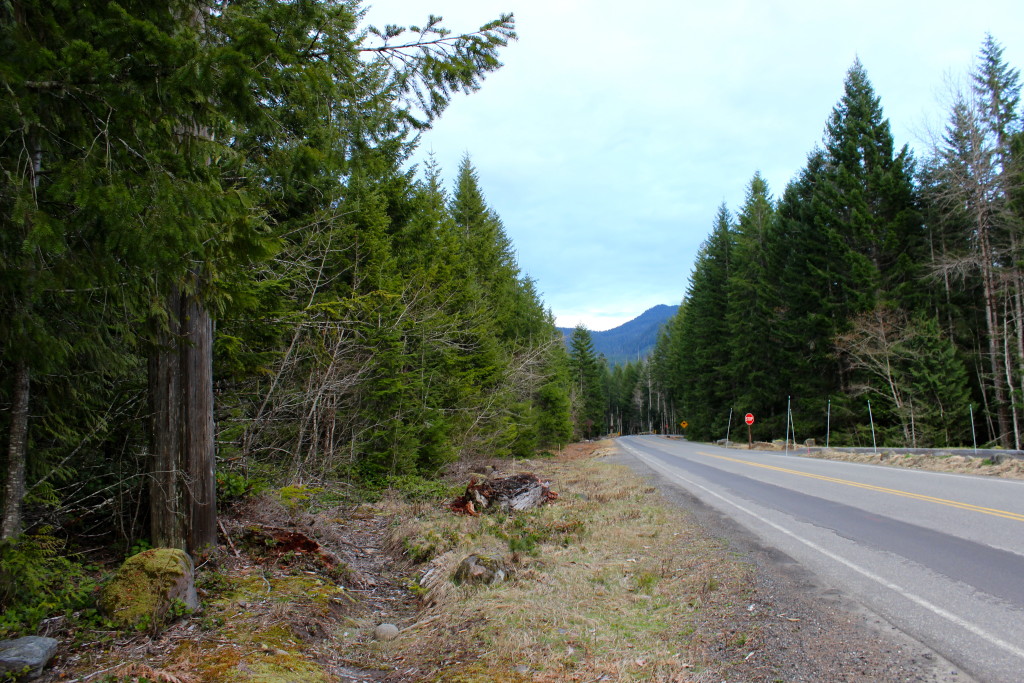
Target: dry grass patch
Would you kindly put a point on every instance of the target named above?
(1009, 467)
(607, 581)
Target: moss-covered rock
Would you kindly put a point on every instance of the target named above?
(148, 586)
(480, 569)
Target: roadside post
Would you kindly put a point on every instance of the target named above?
(749, 419)
(974, 436)
(828, 423)
(874, 443)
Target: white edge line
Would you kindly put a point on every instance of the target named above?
(935, 609)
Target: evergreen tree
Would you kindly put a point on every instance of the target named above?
(703, 357)
(850, 237)
(585, 370)
(554, 406)
(970, 185)
(223, 137)
(939, 389)
(867, 198)
(807, 260)
(753, 297)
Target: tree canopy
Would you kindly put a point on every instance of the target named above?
(217, 260)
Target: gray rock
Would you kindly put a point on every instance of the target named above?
(385, 632)
(30, 654)
(480, 569)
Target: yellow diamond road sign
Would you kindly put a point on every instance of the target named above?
(684, 424)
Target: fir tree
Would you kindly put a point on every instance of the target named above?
(752, 295)
(703, 358)
(585, 373)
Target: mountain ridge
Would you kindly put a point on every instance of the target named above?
(630, 340)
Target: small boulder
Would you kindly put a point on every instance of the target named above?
(29, 654)
(147, 585)
(480, 569)
(385, 632)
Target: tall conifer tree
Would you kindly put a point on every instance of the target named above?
(703, 357)
(753, 300)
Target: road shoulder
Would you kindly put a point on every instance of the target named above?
(808, 631)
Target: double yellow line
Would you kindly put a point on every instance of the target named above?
(881, 489)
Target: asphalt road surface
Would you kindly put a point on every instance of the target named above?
(939, 556)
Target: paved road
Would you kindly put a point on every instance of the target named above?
(939, 556)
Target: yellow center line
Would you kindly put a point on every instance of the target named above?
(881, 489)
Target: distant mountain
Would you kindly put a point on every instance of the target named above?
(629, 340)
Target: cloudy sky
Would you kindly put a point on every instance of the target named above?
(615, 130)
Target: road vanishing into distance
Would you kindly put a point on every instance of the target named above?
(939, 556)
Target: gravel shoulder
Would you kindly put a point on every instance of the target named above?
(808, 631)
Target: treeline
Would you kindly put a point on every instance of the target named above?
(217, 265)
(614, 398)
(876, 282)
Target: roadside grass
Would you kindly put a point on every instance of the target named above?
(606, 581)
(1010, 468)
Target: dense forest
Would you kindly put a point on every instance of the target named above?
(219, 267)
(878, 291)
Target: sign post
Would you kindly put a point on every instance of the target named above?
(749, 419)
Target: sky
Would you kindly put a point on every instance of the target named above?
(615, 130)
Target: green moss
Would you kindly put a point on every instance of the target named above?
(285, 667)
(299, 497)
(137, 595)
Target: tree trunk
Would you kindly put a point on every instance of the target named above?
(17, 453)
(166, 499)
(197, 420)
(17, 445)
(183, 490)
(992, 325)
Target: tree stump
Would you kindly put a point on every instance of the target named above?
(517, 492)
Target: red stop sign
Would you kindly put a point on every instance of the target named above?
(749, 418)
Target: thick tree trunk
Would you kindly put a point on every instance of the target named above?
(166, 496)
(197, 419)
(17, 453)
(183, 500)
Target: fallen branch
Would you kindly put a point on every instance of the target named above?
(228, 538)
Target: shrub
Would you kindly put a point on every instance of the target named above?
(37, 581)
(419, 489)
